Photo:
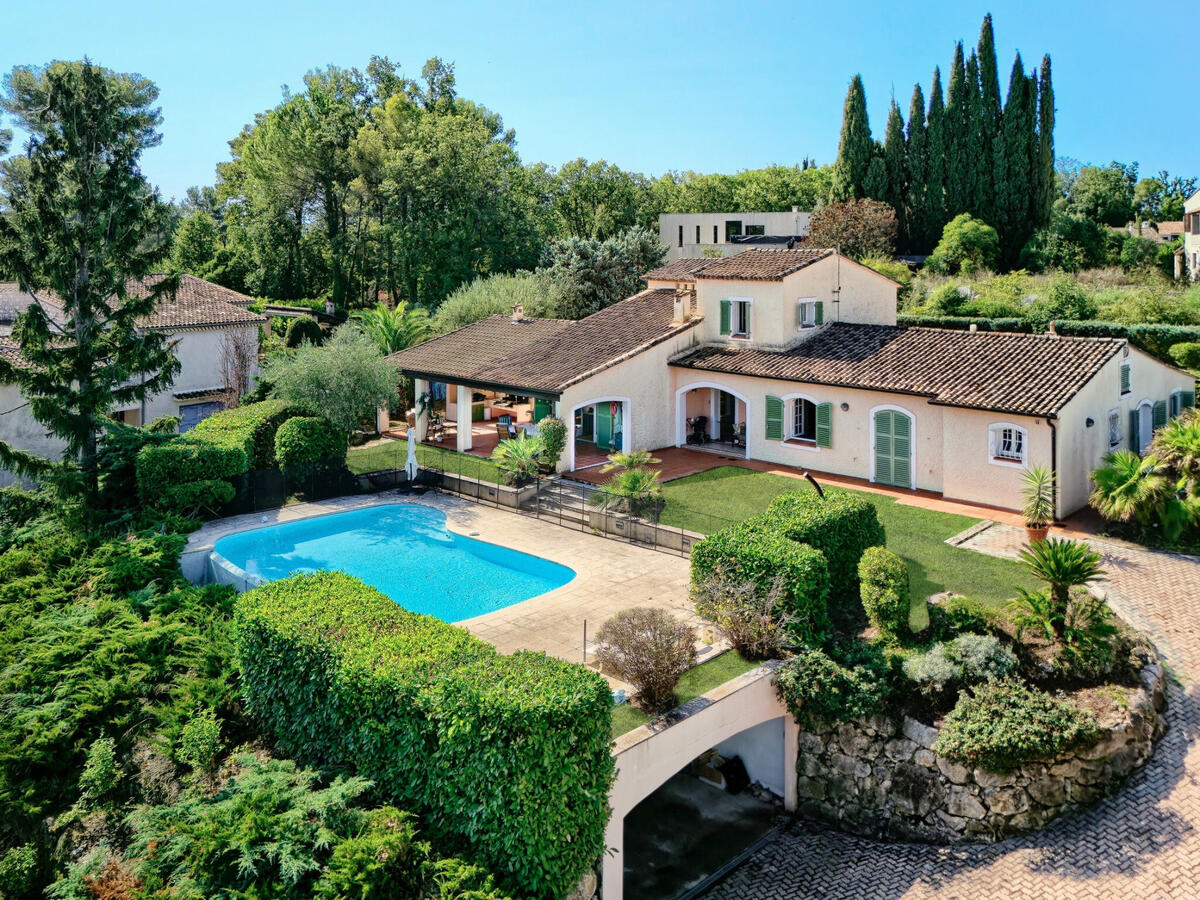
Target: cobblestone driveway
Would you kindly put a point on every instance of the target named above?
(1141, 843)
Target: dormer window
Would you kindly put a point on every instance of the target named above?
(809, 313)
(735, 317)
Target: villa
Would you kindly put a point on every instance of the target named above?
(794, 357)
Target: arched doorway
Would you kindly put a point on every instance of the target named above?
(598, 427)
(893, 437)
(712, 417)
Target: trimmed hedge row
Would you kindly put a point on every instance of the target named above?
(505, 757)
(304, 440)
(1156, 340)
(756, 551)
(164, 469)
(251, 428)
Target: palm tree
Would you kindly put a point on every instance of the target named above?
(634, 459)
(1063, 565)
(395, 329)
(1130, 487)
(1177, 445)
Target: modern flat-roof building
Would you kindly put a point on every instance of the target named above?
(727, 233)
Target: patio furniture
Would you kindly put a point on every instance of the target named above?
(699, 430)
(436, 430)
(739, 435)
(505, 432)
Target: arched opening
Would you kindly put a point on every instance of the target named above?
(1145, 426)
(598, 427)
(713, 418)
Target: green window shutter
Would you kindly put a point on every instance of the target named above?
(883, 447)
(901, 451)
(1124, 378)
(819, 312)
(824, 423)
(1187, 399)
(774, 419)
(726, 316)
(1160, 414)
(1133, 429)
(1174, 410)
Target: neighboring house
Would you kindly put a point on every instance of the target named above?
(200, 319)
(1159, 232)
(687, 235)
(794, 357)
(1187, 257)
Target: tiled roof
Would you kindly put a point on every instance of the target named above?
(763, 265)
(197, 304)
(680, 269)
(1023, 374)
(545, 355)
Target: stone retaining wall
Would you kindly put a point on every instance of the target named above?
(881, 778)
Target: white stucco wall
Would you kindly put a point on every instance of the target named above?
(20, 429)
(969, 470)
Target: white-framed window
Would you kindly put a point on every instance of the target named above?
(1114, 429)
(804, 420)
(806, 314)
(1008, 444)
(740, 322)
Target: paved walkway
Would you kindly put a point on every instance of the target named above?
(1143, 843)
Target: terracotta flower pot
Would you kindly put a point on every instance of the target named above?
(1035, 534)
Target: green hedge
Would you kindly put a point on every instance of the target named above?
(820, 691)
(883, 577)
(505, 757)
(841, 525)
(1156, 340)
(181, 461)
(756, 551)
(302, 329)
(251, 428)
(304, 440)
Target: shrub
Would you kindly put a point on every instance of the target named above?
(967, 245)
(1063, 565)
(306, 440)
(185, 459)
(820, 691)
(250, 427)
(100, 771)
(200, 741)
(842, 525)
(1138, 254)
(553, 434)
(883, 577)
(933, 672)
(301, 330)
(18, 871)
(958, 615)
(519, 459)
(1004, 724)
(650, 649)
(195, 499)
(1187, 355)
(505, 756)
(856, 227)
(755, 551)
(751, 619)
(966, 660)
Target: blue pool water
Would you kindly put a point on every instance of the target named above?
(405, 551)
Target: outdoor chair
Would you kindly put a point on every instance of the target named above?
(739, 435)
(505, 428)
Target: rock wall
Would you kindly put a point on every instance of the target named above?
(881, 777)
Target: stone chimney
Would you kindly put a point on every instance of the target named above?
(681, 310)
(1054, 329)
(518, 313)
(974, 326)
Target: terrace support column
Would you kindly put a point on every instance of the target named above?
(791, 759)
(612, 869)
(421, 389)
(464, 418)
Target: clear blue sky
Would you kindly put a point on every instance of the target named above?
(710, 86)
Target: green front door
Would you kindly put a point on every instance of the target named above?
(541, 409)
(603, 425)
(893, 448)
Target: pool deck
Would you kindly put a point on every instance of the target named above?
(610, 576)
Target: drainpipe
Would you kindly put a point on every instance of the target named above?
(1054, 460)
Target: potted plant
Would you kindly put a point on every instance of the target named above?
(1038, 510)
(518, 460)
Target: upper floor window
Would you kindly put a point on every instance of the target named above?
(1114, 429)
(735, 317)
(756, 229)
(733, 228)
(1008, 443)
(680, 235)
(809, 313)
(1126, 383)
(697, 234)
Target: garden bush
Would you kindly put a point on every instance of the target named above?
(1187, 355)
(183, 460)
(820, 691)
(1004, 724)
(306, 440)
(966, 660)
(958, 615)
(842, 525)
(506, 757)
(301, 330)
(650, 649)
(553, 434)
(756, 551)
(251, 428)
(883, 578)
(753, 620)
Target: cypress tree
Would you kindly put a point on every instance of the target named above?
(987, 114)
(1047, 182)
(1013, 171)
(972, 140)
(896, 192)
(855, 147)
(957, 189)
(916, 166)
(937, 160)
(875, 183)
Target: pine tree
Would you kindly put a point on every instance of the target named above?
(1013, 171)
(916, 168)
(896, 192)
(855, 146)
(987, 113)
(81, 222)
(937, 161)
(1046, 182)
(958, 192)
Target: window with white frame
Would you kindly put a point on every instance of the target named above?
(806, 313)
(741, 318)
(1009, 443)
(804, 420)
(1114, 429)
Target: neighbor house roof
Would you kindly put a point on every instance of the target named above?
(763, 265)
(1023, 374)
(545, 356)
(680, 269)
(197, 303)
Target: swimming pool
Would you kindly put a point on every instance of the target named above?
(404, 550)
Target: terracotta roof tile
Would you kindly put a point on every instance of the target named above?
(763, 265)
(680, 269)
(1023, 374)
(544, 355)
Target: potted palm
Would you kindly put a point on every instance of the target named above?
(1038, 510)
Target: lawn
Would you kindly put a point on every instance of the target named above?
(698, 681)
(392, 454)
(706, 501)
